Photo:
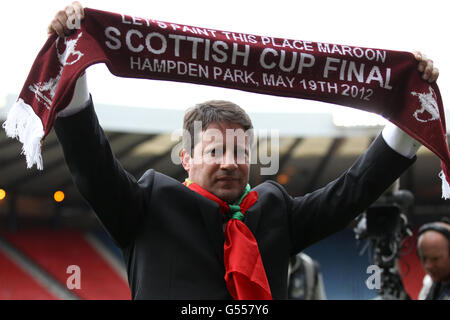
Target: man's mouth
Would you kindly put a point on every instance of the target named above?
(227, 178)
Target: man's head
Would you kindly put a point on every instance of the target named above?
(216, 148)
(434, 250)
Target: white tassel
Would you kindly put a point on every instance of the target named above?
(445, 186)
(24, 124)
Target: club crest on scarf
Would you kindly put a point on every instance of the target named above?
(429, 106)
(45, 91)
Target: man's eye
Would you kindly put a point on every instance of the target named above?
(212, 151)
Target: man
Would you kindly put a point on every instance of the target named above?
(434, 251)
(214, 237)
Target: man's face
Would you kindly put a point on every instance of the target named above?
(434, 254)
(220, 161)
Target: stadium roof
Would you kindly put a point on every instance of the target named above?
(313, 150)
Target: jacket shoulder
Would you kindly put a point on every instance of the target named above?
(273, 191)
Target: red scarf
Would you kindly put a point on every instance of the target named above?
(381, 81)
(244, 271)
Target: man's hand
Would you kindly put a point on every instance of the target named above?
(429, 72)
(65, 21)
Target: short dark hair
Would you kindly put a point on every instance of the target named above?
(213, 111)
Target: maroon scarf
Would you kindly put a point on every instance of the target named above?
(379, 81)
(245, 275)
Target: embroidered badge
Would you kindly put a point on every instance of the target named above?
(429, 110)
(45, 91)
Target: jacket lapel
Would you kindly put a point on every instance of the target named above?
(252, 217)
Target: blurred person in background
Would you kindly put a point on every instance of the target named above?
(433, 246)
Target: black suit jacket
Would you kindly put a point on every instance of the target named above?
(172, 237)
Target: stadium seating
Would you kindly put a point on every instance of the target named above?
(50, 253)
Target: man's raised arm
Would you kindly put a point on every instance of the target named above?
(115, 195)
(323, 212)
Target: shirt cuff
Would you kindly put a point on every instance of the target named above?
(399, 141)
(80, 98)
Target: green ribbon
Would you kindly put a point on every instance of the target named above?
(235, 209)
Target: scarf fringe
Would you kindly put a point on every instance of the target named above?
(445, 186)
(24, 124)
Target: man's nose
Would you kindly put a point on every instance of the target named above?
(228, 161)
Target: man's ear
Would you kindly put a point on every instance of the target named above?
(185, 160)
